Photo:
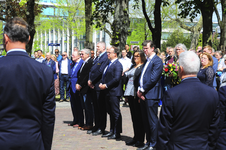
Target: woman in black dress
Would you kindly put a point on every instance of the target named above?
(206, 72)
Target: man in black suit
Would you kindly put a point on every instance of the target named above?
(83, 88)
(99, 105)
(112, 86)
(27, 94)
(190, 114)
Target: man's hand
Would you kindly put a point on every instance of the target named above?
(90, 84)
(140, 95)
(102, 86)
(78, 87)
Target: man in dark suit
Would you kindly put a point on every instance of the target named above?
(99, 105)
(64, 76)
(112, 86)
(83, 88)
(190, 114)
(150, 92)
(26, 94)
(76, 106)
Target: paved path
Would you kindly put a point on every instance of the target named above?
(69, 138)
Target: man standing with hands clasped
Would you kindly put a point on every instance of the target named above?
(112, 86)
(27, 107)
(150, 92)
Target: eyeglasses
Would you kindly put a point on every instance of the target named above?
(81, 54)
(110, 52)
(136, 55)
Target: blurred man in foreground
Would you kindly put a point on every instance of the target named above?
(26, 94)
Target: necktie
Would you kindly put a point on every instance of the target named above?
(73, 71)
(106, 69)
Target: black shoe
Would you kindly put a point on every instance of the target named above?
(107, 135)
(146, 147)
(138, 144)
(89, 131)
(114, 136)
(132, 142)
(98, 132)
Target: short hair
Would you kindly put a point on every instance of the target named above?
(219, 52)
(102, 43)
(182, 46)
(225, 57)
(209, 48)
(142, 56)
(35, 51)
(56, 49)
(116, 50)
(17, 30)
(210, 63)
(145, 43)
(190, 62)
(87, 51)
(39, 50)
(136, 47)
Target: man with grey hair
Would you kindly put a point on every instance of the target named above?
(190, 114)
(180, 48)
(83, 88)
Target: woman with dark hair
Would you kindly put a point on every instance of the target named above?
(133, 76)
(206, 73)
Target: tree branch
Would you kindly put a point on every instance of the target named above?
(146, 16)
(217, 14)
(107, 31)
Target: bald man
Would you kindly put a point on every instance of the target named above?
(64, 74)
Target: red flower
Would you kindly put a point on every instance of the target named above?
(166, 69)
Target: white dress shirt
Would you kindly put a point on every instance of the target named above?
(142, 74)
(64, 66)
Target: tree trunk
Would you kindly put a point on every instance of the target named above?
(223, 26)
(120, 24)
(207, 13)
(156, 35)
(157, 31)
(30, 21)
(195, 34)
(89, 30)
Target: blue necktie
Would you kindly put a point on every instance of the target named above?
(73, 71)
(106, 69)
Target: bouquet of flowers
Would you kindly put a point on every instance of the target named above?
(171, 70)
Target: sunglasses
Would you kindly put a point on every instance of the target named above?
(57, 52)
(63, 55)
(81, 54)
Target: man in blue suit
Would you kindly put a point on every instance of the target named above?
(112, 86)
(49, 62)
(27, 110)
(190, 112)
(150, 92)
(99, 105)
(76, 106)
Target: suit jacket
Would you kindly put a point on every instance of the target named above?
(27, 103)
(69, 67)
(221, 144)
(74, 74)
(112, 79)
(152, 79)
(83, 76)
(52, 63)
(97, 69)
(189, 117)
(136, 77)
